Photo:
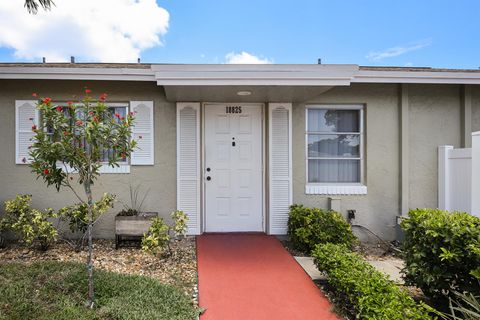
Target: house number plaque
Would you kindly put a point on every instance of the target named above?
(233, 109)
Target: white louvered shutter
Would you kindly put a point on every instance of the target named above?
(143, 133)
(280, 166)
(188, 163)
(26, 115)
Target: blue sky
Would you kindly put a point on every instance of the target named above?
(401, 33)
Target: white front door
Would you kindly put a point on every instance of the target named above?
(233, 168)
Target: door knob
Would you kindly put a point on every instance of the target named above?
(208, 169)
(209, 178)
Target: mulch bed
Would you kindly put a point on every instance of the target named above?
(178, 269)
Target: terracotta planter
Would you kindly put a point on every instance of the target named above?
(132, 227)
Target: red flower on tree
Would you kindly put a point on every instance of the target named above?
(46, 171)
(59, 109)
(103, 97)
(34, 94)
(117, 115)
(88, 91)
(34, 127)
(46, 100)
(79, 122)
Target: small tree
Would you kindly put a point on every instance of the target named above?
(71, 145)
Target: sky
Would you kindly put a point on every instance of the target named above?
(414, 33)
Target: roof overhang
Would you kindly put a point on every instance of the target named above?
(265, 82)
(254, 75)
(210, 82)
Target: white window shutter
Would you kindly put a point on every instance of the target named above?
(188, 163)
(280, 166)
(143, 133)
(26, 115)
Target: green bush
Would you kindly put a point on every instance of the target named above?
(441, 252)
(308, 227)
(368, 291)
(158, 237)
(30, 225)
(77, 214)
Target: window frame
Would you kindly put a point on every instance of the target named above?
(361, 133)
(124, 167)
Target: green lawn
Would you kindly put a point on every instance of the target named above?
(57, 290)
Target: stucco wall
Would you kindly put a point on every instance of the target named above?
(160, 179)
(376, 210)
(476, 108)
(434, 121)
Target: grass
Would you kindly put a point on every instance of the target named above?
(57, 290)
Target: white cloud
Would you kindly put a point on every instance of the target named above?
(398, 50)
(245, 58)
(90, 30)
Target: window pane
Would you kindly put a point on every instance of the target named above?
(334, 145)
(333, 120)
(334, 171)
(122, 112)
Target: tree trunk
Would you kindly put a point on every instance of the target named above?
(91, 295)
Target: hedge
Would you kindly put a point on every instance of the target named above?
(308, 227)
(368, 291)
(442, 252)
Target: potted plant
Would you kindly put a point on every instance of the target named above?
(133, 222)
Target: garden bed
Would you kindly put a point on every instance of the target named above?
(57, 290)
(178, 269)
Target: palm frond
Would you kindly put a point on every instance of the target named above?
(33, 5)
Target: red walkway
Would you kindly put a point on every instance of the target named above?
(252, 277)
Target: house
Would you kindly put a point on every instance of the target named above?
(234, 145)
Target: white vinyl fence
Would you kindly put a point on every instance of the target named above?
(459, 177)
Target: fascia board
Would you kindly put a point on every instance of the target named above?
(77, 73)
(416, 77)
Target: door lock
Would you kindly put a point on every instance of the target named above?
(209, 178)
(208, 169)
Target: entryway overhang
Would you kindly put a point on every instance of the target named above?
(270, 83)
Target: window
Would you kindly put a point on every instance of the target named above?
(334, 140)
(114, 108)
(121, 110)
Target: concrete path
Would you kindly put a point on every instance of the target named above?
(251, 276)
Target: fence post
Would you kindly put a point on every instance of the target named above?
(444, 177)
(476, 173)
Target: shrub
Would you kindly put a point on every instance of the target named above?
(30, 225)
(180, 220)
(310, 226)
(158, 237)
(441, 252)
(368, 291)
(77, 214)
